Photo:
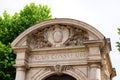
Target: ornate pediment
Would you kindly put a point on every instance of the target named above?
(57, 35)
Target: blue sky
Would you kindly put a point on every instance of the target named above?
(104, 15)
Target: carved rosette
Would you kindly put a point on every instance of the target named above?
(57, 35)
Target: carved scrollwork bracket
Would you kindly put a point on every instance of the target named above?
(58, 69)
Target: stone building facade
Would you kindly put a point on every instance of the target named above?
(62, 49)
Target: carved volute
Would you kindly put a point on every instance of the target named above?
(57, 35)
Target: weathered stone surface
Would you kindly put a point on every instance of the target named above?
(62, 47)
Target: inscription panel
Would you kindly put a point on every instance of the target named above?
(58, 57)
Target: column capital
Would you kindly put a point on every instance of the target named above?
(20, 69)
(25, 49)
(21, 66)
(95, 65)
(20, 73)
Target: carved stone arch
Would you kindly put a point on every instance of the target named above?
(78, 76)
(41, 75)
(60, 77)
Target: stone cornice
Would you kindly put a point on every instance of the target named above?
(21, 49)
(94, 43)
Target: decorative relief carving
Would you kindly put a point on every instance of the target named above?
(57, 36)
(58, 69)
(76, 38)
(38, 39)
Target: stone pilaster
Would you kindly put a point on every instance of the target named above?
(21, 62)
(20, 73)
(94, 47)
(95, 72)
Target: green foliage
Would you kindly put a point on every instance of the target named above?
(118, 43)
(11, 27)
(7, 57)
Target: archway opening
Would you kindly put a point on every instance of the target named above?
(60, 77)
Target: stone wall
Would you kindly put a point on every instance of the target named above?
(62, 47)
